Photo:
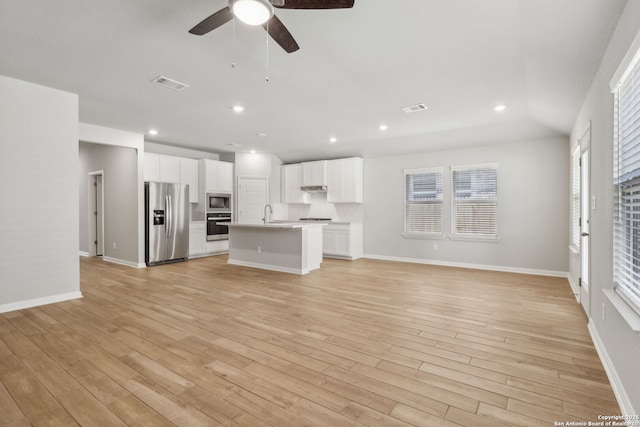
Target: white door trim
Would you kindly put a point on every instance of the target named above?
(585, 215)
(93, 228)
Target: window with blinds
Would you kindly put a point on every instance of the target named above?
(575, 198)
(475, 201)
(423, 202)
(626, 236)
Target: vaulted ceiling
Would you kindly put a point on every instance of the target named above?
(355, 70)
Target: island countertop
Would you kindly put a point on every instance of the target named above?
(277, 225)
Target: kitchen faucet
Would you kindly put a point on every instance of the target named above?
(264, 220)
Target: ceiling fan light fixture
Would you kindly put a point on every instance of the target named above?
(252, 12)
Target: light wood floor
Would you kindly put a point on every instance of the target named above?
(357, 343)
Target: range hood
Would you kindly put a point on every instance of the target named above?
(314, 188)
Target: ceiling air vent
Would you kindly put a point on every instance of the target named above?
(414, 108)
(170, 83)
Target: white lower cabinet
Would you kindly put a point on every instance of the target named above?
(343, 240)
(197, 238)
(216, 246)
(198, 245)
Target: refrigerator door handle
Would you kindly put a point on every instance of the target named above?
(167, 220)
(170, 216)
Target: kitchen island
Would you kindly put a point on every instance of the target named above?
(288, 247)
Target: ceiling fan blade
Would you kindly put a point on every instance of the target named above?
(214, 21)
(280, 34)
(313, 4)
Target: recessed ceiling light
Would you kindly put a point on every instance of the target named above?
(153, 132)
(500, 108)
(383, 127)
(333, 140)
(238, 108)
(253, 151)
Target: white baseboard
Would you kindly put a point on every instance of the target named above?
(621, 395)
(83, 253)
(533, 271)
(19, 305)
(124, 262)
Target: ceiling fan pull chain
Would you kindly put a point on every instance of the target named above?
(233, 43)
(267, 33)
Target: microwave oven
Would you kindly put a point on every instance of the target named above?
(218, 201)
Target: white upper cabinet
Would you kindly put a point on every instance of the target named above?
(225, 177)
(171, 169)
(314, 173)
(161, 168)
(189, 175)
(152, 167)
(345, 180)
(217, 176)
(291, 181)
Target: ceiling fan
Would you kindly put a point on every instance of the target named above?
(260, 12)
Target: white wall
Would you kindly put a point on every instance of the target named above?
(153, 147)
(38, 185)
(533, 181)
(618, 344)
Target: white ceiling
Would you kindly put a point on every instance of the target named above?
(355, 69)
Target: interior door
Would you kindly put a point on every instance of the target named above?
(253, 195)
(585, 211)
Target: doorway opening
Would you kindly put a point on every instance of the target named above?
(96, 213)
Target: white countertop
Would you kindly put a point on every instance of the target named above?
(277, 225)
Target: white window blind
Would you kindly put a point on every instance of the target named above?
(626, 237)
(475, 201)
(575, 198)
(423, 202)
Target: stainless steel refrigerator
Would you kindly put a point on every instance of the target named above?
(166, 222)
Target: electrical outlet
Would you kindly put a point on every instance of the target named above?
(604, 311)
(114, 245)
(593, 203)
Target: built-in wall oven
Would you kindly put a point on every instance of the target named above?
(217, 225)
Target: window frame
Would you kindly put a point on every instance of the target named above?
(438, 200)
(626, 176)
(478, 200)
